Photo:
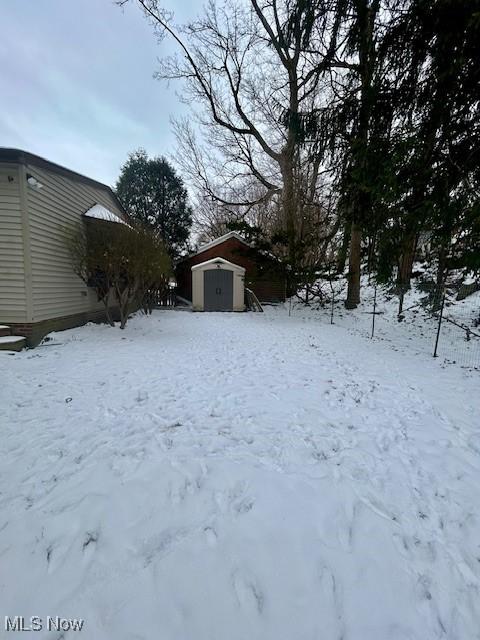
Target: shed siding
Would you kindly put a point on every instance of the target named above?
(198, 284)
(12, 270)
(268, 286)
(55, 211)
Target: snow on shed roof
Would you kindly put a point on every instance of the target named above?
(218, 261)
(100, 212)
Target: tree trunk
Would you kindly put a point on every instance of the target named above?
(343, 251)
(361, 192)
(409, 247)
(289, 210)
(123, 315)
(372, 241)
(440, 279)
(108, 315)
(289, 213)
(353, 292)
(123, 304)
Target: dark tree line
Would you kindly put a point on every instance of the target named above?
(341, 131)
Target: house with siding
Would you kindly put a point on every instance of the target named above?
(40, 204)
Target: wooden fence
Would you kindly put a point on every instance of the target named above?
(161, 298)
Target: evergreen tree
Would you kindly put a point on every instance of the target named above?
(361, 125)
(434, 53)
(155, 196)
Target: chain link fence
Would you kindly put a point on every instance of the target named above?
(448, 318)
(443, 322)
(458, 329)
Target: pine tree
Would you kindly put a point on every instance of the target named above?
(155, 196)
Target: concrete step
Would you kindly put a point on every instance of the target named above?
(4, 330)
(12, 343)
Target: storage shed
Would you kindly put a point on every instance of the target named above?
(218, 285)
(262, 273)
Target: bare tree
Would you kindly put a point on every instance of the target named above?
(255, 72)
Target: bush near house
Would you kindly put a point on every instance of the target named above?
(122, 262)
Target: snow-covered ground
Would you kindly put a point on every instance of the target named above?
(241, 476)
(417, 330)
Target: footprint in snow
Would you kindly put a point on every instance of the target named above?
(211, 536)
(161, 544)
(331, 602)
(249, 595)
(239, 499)
(57, 554)
(243, 506)
(89, 545)
(424, 585)
(236, 499)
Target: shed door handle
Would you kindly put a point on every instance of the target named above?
(218, 291)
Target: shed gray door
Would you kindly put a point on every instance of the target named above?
(218, 290)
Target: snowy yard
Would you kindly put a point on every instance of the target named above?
(240, 477)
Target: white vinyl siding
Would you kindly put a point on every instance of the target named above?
(54, 212)
(13, 306)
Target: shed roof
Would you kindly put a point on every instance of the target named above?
(214, 243)
(212, 261)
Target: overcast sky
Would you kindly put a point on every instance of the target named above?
(76, 83)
